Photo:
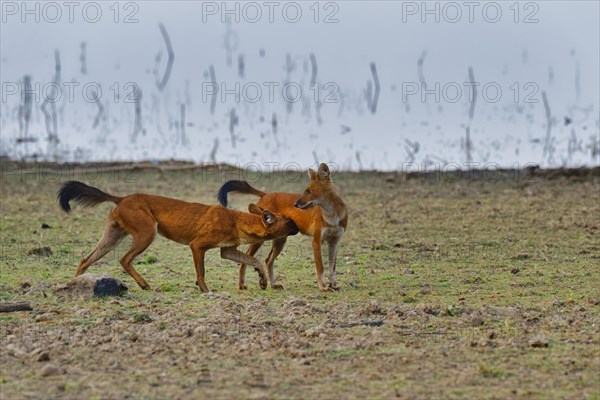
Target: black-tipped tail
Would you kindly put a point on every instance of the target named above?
(238, 187)
(83, 194)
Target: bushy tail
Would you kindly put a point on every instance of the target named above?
(239, 187)
(83, 194)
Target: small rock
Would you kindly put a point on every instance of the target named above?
(43, 356)
(515, 271)
(89, 285)
(294, 302)
(41, 251)
(477, 320)
(46, 226)
(408, 271)
(539, 341)
(133, 337)
(50, 370)
(43, 317)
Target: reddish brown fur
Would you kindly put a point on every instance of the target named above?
(200, 226)
(318, 212)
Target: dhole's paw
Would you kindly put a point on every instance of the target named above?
(277, 287)
(334, 288)
(243, 287)
(263, 283)
(326, 289)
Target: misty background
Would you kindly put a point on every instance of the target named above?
(367, 85)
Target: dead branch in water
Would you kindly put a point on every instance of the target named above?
(468, 142)
(377, 88)
(548, 123)
(161, 85)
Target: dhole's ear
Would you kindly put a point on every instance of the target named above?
(268, 218)
(324, 173)
(312, 174)
(254, 209)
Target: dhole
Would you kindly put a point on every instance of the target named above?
(200, 226)
(318, 212)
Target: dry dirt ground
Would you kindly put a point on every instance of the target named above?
(451, 288)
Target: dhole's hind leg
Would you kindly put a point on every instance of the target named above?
(143, 236)
(198, 253)
(276, 249)
(112, 236)
(251, 252)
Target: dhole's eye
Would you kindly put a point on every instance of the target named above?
(308, 191)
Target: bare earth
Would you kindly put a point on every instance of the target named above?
(451, 288)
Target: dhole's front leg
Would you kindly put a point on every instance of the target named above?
(242, 277)
(233, 254)
(332, 244)
(316, 243)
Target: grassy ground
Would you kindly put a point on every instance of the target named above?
(464, 289)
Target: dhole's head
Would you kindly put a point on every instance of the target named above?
(318, 188)
(276, 225)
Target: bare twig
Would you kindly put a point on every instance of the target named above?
(11, 307)
(82, 58)
(182, 123)
(213, 100)
(161, 85)
(377, 88)
(233, 121)
(548, 123)
(468, 142)
(100, 110)
(213, 152)
(313, 63)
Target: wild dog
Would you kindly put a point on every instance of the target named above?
(318, 212)
(199, 226)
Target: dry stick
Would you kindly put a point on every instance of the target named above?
(82, 58)
(468, 143)
(548, 122)
(27, 104)
(100, 110)
(161, 85)
(57, 79)
(314, 70)
(213, 100)
(274, 124)
(420, 62)
(230, 42)
(182, 123)
(313, 81)
(241, 66)
(137, 125)
(289, 68)
(233, 121)
(213, 152)
(19, 306)
(360, 167)
(377, 88)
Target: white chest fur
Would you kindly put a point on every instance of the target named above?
(332, 234)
